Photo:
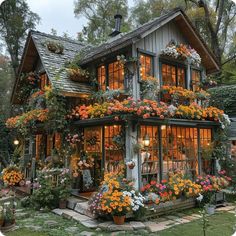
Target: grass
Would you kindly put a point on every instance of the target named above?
(34, 225)
(25, 232)
(220, 224)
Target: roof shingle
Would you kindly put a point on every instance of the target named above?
(54, 63)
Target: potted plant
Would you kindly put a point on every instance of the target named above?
(63, 195)
(130, 164)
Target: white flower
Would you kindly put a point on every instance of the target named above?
(200, 198)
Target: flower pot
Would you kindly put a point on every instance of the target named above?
(131, 166)
(119, 220)
(210, 209)
(62, 204)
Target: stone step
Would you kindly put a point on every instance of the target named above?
(82, 208)
(82, 219)
(72, 201)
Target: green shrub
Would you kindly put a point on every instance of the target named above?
(224, 98)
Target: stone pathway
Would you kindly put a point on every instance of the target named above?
(81, 215)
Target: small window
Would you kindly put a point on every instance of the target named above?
(101, 73)
(146, 66)
(173, 75)
(195, 80)
(44, 81)
(115, 75)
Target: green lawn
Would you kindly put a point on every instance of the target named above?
(221, 224)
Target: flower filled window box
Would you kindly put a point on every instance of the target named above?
(78, 75)
(182, 52)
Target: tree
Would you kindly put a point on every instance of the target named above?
(214, 19)
(219, 17)
(6, 81)
(15, 20)
(100, 16)
(146, 10)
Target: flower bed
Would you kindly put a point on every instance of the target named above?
(169, 207)
(179, 187)
(116, 197)
(28, 118)
(148, 108)
(180, 95)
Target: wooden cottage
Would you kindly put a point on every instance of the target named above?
(152, 146)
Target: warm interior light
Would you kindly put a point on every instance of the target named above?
(146, 140)
(16, 142)
(163, 127)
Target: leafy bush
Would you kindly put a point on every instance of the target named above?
(25, 202)
(224, 98)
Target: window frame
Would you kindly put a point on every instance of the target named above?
(176, 65)
(149, 54)
(106, 65)
(192, 68)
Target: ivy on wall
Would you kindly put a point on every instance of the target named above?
(224, 98)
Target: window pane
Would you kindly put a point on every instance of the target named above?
(206, 150)
(170, 78)
(150, 155)
(179, 147)
(114, 154)
(116, 75)
(181, 77)
(145, 66)
(196, 79)
(168, 75)
(101, 73)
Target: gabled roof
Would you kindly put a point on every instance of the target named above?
(182, 22)
(52, 63)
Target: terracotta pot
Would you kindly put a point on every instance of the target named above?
(62, 204)
(119, 220)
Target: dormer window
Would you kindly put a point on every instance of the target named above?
(111, 75)
(173, 75)
(146, 66)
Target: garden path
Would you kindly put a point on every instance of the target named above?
(78, 211)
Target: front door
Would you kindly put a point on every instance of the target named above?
(105, 145)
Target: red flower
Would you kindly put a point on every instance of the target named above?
(153, 182)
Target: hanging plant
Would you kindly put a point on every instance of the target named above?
(55, 47)
(78, 74)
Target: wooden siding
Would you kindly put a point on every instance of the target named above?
(158, 40)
